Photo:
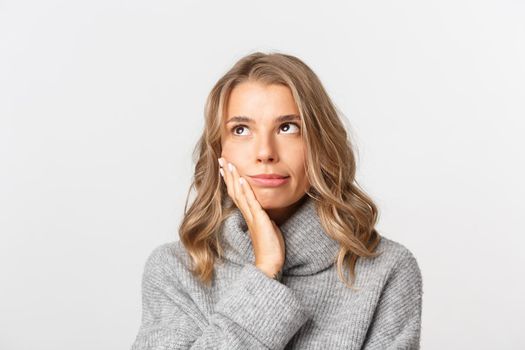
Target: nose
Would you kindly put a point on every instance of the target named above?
(266, 150)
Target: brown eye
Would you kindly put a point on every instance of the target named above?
(294, 124)
(237, 127)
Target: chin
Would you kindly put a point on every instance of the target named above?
(271, 201)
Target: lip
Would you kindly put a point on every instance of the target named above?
(269, 176)
(275, 182)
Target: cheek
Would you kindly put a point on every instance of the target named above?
(302, 181)
(235, 155)
(299, 172)
(230, 152)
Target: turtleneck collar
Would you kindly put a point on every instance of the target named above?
(308, 248)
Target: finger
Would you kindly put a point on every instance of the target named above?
(253, 203)
(226, 177)
(221, 170)
(239, 193)
(233, 181)
(246, 205)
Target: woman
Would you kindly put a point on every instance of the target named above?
(277, 223)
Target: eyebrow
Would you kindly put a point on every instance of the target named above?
(280, 119)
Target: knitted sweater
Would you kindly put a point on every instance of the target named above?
(309, 309)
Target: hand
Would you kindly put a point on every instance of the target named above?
(267, 238)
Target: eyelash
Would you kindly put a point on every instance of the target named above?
(232, 130)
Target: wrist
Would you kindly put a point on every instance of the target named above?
(271, 272)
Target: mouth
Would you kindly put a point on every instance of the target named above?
(270, 182)
(269, 176)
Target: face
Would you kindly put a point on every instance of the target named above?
(265, 145)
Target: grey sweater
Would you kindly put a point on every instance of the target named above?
(309, 309)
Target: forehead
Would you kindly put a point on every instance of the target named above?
(260, 101)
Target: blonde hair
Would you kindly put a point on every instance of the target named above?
(346, 213)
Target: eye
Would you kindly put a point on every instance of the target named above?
(297, 126)
(236, 127)
(242, 127)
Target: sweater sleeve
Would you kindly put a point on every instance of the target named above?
(256, 312)
(397, 320)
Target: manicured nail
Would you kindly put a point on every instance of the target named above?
(222, 172)
(230, 167)
(221, 162)
(241, 181)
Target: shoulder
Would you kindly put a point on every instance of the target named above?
(394, 251)
(403, 264)
(168, 256)
(395, 260)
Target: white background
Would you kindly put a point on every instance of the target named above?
(101, 104)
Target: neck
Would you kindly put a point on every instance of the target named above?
(280, 215)
(308, 248)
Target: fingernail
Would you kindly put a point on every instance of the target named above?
(222, 172)
(241, 181)
(230, 167)
(220, 162)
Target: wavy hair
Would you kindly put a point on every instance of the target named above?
(345, 211)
